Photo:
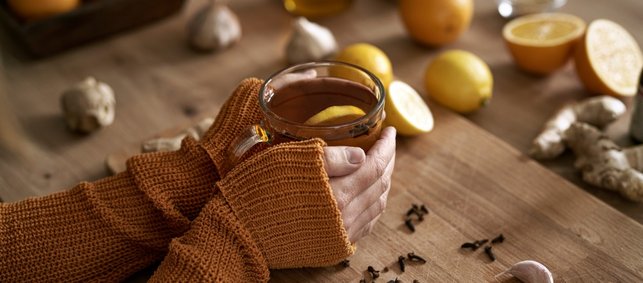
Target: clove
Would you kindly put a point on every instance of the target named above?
(309, 42)
(468, 245)
(415, 258)
(499, 239)
(410, 225)
(345, 263)
(374, 273)
(479, 243)
(530, 271)
(214, 27)
(401, 261)
(394, 280)
(489, 252)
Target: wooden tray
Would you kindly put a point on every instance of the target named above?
(90, 21)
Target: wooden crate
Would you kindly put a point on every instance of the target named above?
(90, 21)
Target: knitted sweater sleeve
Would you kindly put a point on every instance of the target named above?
(274, 210)
(106, 230)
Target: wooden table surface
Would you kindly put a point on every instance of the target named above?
(471, 170)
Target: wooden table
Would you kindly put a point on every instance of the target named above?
(470, 171)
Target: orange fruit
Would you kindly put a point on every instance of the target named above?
(40, 9)
(542, 43)
(436, 22)
(608, 60)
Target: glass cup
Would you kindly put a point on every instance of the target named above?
(316, 8)
(291, 97)
(513, 8)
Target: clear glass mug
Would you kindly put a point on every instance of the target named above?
(291, 96)
(513, 8)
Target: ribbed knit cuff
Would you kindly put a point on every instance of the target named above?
(178, 183)
(239, 112)
(283, 198)
(215, 249)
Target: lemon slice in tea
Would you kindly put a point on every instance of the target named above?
(333, 115)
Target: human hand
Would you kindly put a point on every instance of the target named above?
(361, 182)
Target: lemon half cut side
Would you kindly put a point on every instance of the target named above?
(406, 110)
(608, 60)
(543, 43)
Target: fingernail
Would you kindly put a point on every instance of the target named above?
(355, 155)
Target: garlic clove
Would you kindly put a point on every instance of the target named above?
(530, 271)
(88, 106)
(214, 27)
(309, 42)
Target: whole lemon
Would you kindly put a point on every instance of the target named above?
(459, 80)
(40, 9)
(370, 58)
(436, 22)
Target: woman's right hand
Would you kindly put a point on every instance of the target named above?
(361, 182)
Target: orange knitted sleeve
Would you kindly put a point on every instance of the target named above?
(274, 210)
(106, 230)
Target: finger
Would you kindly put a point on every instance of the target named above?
(356, 212)
(370, 171)
(370, 216)
(342, 160)
(366, 230)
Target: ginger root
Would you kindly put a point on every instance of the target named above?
(597, 111)
(603, 163)
(88, 105)
(174, 143)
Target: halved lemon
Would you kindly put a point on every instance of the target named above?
(406, 111)
(608, 60)
(335, 115)
(542, 43)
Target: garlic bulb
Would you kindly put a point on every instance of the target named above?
(214, 27)
(89, 105)
(530, 271)
(309, 42)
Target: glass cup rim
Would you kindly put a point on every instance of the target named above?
(269, 114)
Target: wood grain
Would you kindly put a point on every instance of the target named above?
(470, 170)
(477, 192)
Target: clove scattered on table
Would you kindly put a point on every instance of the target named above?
(374, 273)
(499, 239)
(487, 249)
(489, 253)
(419, 211)
(401, 260)
(345, 263)
(415, 258)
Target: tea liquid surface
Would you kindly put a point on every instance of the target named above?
(300, 100)
(303, 99)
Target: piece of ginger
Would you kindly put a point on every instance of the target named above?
(597, 111)
(174, 143)
(603, 163)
